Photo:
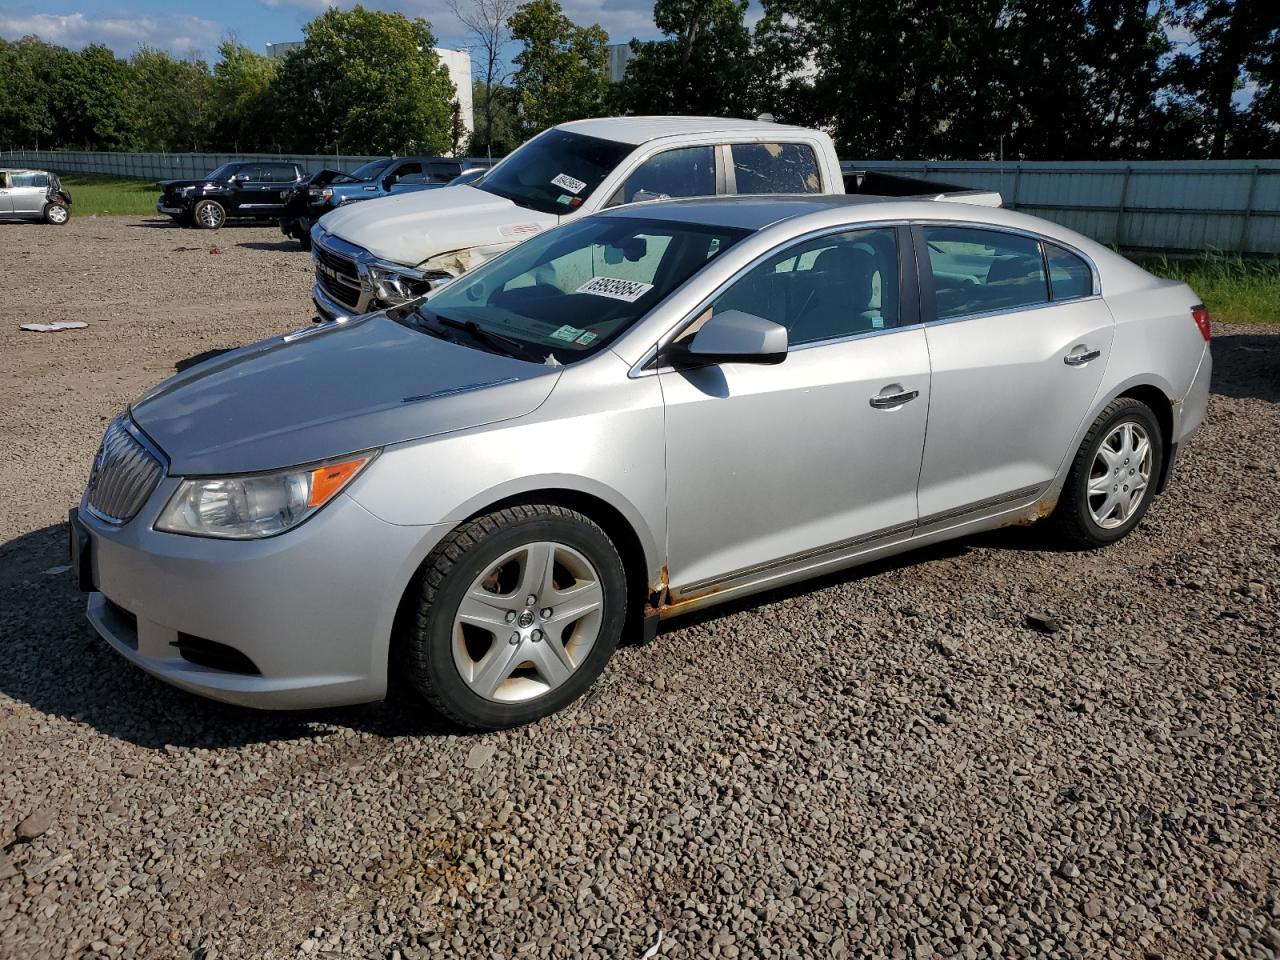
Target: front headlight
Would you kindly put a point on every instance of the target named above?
(325, 194)
(394, 287)
(261, 505)
(186, 191)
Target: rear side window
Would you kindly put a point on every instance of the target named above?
(1069, 276)
(775, 168)
(279, 172)
(30, 180)
(684, 172)
(982, 271)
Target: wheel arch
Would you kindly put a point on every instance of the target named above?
(634, 548)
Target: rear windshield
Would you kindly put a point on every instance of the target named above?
(555, 172)
(572, 290)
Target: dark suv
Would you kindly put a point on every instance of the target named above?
(251, 188)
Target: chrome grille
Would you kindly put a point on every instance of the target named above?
(124, 473)
(338, 275)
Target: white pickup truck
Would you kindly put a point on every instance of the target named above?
(384, 252)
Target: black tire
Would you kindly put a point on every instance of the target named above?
(426, 653)
(57, 213)
(1072, 518)
(209, 215)
(305, 240)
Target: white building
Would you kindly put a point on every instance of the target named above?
(619, 56)
(457, 62)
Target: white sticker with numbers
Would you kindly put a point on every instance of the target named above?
(566, 182)
(628, 290)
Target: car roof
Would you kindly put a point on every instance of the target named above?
(637, 130)
(21, 170)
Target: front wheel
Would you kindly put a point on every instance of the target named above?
(517, 614)
(57, 213)
(209, 215)
(1112, 479)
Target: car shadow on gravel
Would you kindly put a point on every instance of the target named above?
(53, 660)
(277, 246)
(1247, 366)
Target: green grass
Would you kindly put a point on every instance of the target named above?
(99, 195)
(1234, 289)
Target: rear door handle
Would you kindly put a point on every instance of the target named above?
(889, 401)
(1080, 356)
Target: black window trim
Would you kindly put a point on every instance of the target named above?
(1045, 244)
(928, 292)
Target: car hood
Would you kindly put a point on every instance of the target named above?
(413, 227)
(166, 184)
(330, 390)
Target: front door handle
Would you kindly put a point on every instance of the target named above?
(1080, 356)
(890, 401)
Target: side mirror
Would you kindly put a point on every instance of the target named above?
(735, 336)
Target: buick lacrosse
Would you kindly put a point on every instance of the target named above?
(636, 415)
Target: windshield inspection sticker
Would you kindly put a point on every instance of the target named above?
(585, 338)
(567, 182)
(568, 333)
(627, 290)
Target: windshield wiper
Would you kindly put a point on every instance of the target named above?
(495, 341)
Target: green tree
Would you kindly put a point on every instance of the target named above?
(172, 100)
(562, 72)
(705, 66)
(27, 68)
(503, 122)
(365, 81)
(242, 101)
(1229, 38)
(92, 100)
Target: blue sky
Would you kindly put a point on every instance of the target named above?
(180, 28)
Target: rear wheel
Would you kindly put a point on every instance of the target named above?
(57, 213)
(209, 215)
(517, 613)
(1112, 479)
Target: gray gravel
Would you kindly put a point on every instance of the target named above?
(986, 749)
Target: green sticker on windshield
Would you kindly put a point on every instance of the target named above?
(568, 333)
(564, 199)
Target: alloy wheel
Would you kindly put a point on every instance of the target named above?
(528, 622)
(57, 214)
(211, 215)
(1120, 475)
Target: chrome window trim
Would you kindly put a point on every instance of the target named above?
(640, 367)
(1025, 308)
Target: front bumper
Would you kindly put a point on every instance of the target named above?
(161, 207)
(329, 308)
(312, 609)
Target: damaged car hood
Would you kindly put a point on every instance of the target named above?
(414, 227)
(331, 390)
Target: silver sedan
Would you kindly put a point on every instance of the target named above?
(636, 415)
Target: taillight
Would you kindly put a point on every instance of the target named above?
(1200, 314)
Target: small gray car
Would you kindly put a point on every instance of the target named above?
(632, 416)
(33, 195)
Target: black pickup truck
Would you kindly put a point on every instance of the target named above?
(256, 189)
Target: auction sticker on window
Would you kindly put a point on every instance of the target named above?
(628, 290)
(566, 182)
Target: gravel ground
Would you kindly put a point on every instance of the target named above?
(891, 763)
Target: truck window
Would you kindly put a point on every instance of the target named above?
(556, 171)
(250, 173)
(280, 172)
(776, 168)
(683, 172)
(442, 171)
(408, 173)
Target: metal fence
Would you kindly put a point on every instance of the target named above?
(1178, 205)
(1183, 205)
(170, 166)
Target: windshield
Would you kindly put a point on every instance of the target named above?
(570, 291)
(555, 172)
(223, 171)
(370, 170)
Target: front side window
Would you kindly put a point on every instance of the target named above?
(570, 291)
(834, 286)
(556, 171)
(250, 173)
(775, 168)
(684, 172)
(982, 271)
(1069, 276)
(408, 173)
(371, 170)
